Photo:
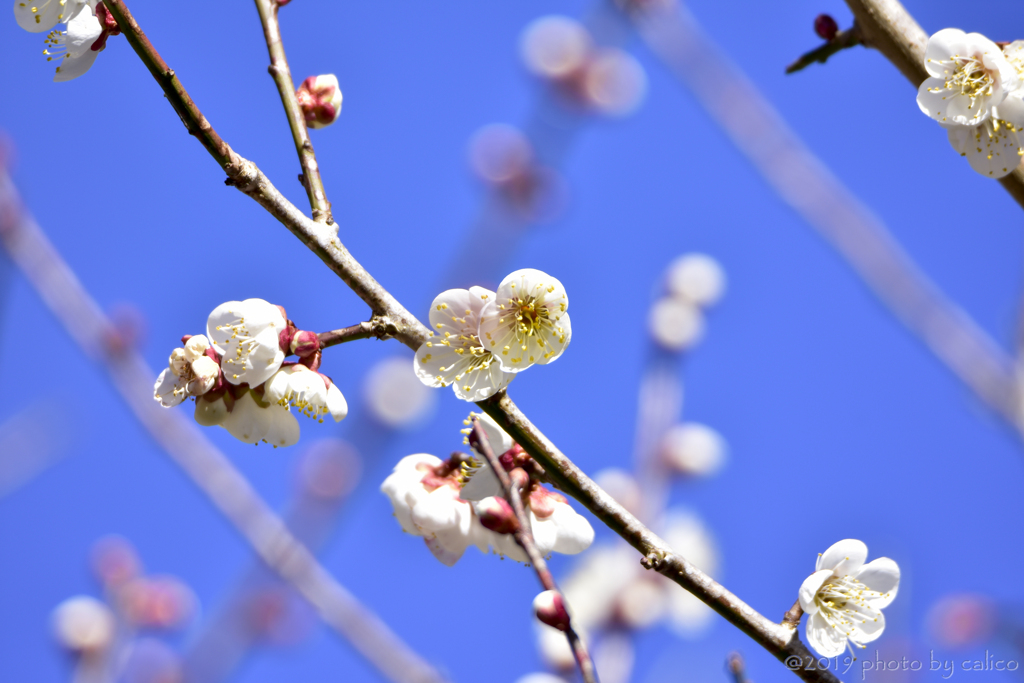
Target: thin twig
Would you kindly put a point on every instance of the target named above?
(524, 537)
(806, 184)
(793, 615)
(843, 40)
(779, 640)
(244, 175)
(886, 26)
(379, 327)
(296, 121)
(207, 467)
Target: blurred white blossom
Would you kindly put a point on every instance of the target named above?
(83, 624)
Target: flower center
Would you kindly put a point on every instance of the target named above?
(844, 602)
(971, 78)
(530, 316)
(57, 45)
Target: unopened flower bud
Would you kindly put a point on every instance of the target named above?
(825, 26)
(178, 361)
(205, 372)
(497, 515)
(520, 479)
(550, 609)
(83, 624)
(320, 100)
(196, 346)
(305, 344)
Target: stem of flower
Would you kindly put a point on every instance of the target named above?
(843, 40)
(379, 326)
(296, 121)
(524, 537)
(793, 615)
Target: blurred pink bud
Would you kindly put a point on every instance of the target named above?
(157, 602)
(320, 100)
(825, 26)
(114, 560)
(305, 343)
(962, 620)
(497, 515)
(550, 609)
(498, 153)
(330, 469)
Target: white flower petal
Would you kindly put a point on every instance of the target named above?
(169, 389)
(210, 413)
(826, 640)
(283, 429)
(869, 630)
(337, 406)
(991, 153)
(809, 588)
(483, 483)
(247, 421)
(246, 334)
(882, 576)
(83, 30)
(442, 553)
(574, 531)
(73, 67)
(844, 557)
(37, 16)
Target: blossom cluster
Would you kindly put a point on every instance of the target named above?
(480, 339)
(238, 377)
(976, 92)
(458, 502)
(88, 25)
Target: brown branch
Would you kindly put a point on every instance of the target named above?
(245, 176)
(843, 40)
(524, 537)
(889, 28)
(379, 327)
(296, 121)
(204, 464)
(779, 640)
(802, 181)
(793, 615)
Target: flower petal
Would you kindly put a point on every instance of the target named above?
(883, 576)
(826, 640)
(810, 587)
(247, 422)
(72, 67)
(483, 483)
(337, 406)
(446, 556)
(843, 558)
(38, 16)
(574, 531)
(869, 630)
(283, 428)
(169, 389)
(992, 153)
(210, 413)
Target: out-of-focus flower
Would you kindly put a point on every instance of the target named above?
(330, 469)
(696, 278)
(541, 677)
(969, 76)
(526, 322)
(844, 597)
(246, 334)
(395, 396)
(455, 354)
(320, 100)
(675, 324)
(693, 449)
(622, 486)
(499, 153)
(614, 83)
(149, 660)
(963, 620)
(83, 624)
(162, 602)
(555, 46)
(114, 561)
(295, 385)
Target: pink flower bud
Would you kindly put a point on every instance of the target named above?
(305, 344)
(550, 609)
(320, 100)
(497, 515)
(825, 26)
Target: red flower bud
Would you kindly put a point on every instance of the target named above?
(825, 26)
(497, 515)
(550, 609)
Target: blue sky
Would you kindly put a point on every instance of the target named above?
(839, 422)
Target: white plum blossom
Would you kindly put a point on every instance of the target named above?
(526, 322)
(252, 420)
(969, 76)
(83, 624)
(424, 491)
(454, 355)
(247, 336)
(42, 15)
(309, 391)
(190, 372)
(844, 597)
(556, 527)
